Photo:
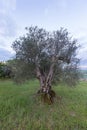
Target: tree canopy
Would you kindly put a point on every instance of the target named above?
(42, 49)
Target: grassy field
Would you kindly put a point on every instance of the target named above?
(21, 110)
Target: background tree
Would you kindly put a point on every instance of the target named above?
(49, 56)
(5, 70)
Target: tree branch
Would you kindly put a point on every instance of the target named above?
(50, 74)
(40, 76)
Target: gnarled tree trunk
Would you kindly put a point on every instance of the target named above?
(47, 94)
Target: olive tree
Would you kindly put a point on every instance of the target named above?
(48, 56)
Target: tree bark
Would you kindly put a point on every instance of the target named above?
(46, 83)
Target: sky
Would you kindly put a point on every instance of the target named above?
(15, 15)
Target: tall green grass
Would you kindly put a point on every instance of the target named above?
(20, 109)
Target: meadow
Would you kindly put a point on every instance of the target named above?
(20, 108)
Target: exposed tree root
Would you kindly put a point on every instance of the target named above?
(47, 97)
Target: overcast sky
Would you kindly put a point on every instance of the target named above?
(15, 15)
